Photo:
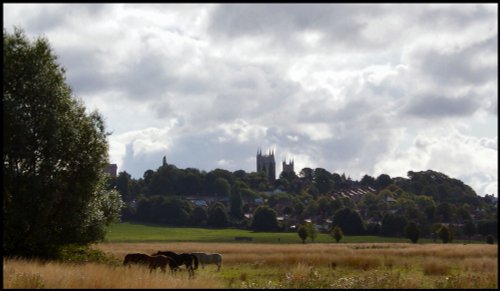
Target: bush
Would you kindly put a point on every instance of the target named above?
(337, 233)
(445, 234)
(84, 254)
(490, 239)
(302, 232)
(412, 232)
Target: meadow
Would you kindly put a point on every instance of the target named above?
(289, 264)
(349, 265)
(130, 232)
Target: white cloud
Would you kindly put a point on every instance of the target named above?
(448, 151)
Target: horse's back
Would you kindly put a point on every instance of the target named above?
(215, 258)
(208, 258)
(137, 258)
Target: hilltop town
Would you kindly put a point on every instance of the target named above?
(380, 205)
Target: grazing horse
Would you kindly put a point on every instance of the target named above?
(152, 262)
(209, 259)
(187, 259)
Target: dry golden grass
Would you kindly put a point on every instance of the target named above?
(436, 267)
(367, 255)
(20, 273)
(370, 265)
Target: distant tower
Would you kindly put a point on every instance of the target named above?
(266, 164)
(288, 168)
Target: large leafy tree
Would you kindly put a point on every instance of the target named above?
(412, 232)
(349, 221)
(217, 215)
(323, 180)
(264, 219)
(382, 181)
(53, 158)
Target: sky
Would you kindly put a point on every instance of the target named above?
(352, 88)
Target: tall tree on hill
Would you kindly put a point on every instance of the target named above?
(382, 181)
(367, 181)
(54, 156)
(222, 187)
(323, 180)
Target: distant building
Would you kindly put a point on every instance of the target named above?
(111, 170)
(266, 164)
(288, 167)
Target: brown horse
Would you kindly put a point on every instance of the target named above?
(189, 260)
(152, 262)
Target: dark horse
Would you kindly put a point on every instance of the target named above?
(152, 262)
(182, 259)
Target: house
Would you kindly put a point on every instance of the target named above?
(390, 199)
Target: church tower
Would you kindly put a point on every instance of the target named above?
(288, 167)
(266, 164)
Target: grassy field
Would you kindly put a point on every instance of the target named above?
(129, 232)
(271, 260)
(319, 265)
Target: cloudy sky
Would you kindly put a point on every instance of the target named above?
(355, 89)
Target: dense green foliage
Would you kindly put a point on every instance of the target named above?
(393, 225)
(445, 234)
(53, 158)
(312, 231)
(264, 219)
(349, 221)
(217, 216)
(412, 232)
(382, 212)
(302, 233)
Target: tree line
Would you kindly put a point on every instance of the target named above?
(423, 200)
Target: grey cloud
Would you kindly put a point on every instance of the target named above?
(493, 108)
(340, 23)
(460, 67)
(83, 70)
(453, 16)
(163, 108)
(441, 106)
(149, 77)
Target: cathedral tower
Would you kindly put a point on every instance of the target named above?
(266, 164)
(288, 168)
